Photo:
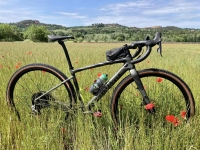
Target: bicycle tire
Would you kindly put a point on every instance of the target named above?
(122, 110)
(33, 80)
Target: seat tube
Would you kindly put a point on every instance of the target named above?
(140, 86)
(66, 54)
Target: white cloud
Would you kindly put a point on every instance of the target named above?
(125, 7)
(174, 8)
(72, 15)
(146, 13)
(139, 13)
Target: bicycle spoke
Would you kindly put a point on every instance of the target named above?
(165, 96)
(51, 106)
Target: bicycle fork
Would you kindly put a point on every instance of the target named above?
(140, 87)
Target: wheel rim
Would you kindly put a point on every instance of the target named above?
(169, 102)
(34, 83)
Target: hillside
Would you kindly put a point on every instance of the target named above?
(27, 23)
(115, 32)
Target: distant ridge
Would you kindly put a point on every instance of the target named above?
(27, 23)
(112, 32)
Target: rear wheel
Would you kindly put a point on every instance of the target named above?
(31, 82)
(171, 97)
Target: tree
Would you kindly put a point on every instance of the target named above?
(10, 33)
(120, 37)
(80, 39)
(96, 39)
(60, 33)
(113, 36)
(37, 33)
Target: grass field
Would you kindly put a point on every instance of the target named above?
(181, 59)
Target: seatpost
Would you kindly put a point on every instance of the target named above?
(66, 53)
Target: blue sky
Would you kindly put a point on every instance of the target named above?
(132, 13)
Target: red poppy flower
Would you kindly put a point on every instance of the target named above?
(63, 130)
(30, 53)
(98, 114)
(148, 61)
(86, 88)
(76, 62)
(19, 63)
(159, 79)
(99, 74)
(170, 118)
(176, 122)
(91, 68)
(43, 71)
(17, 66)
(149, 106)
(183, 114)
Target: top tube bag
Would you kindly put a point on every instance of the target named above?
(117, 53)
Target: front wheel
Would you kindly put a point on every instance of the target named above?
(31, 82)
(172, 99)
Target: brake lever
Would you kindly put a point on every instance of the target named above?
(159, 50)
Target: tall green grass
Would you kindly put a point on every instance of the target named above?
(81, 133)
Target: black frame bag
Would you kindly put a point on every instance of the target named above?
(117, 53)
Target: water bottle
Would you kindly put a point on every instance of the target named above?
(98, 83)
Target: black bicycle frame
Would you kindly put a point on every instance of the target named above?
(128, 65)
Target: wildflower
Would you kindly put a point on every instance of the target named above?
(63, 130)
(76, 62)
(159, 79)
(1, 66)
(98, 114)
(148, 61)
(91, 68)
(172, 119)
(99, 74)
(17, 66)
(43, 71)
(183, 114)
(86, 88)
(30, 53)
(19, 63)
(149, 106)
(176, 122)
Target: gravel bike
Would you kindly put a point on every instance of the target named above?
(37, 88)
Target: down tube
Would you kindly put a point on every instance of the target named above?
(109, 84)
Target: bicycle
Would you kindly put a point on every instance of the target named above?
(56, 91)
